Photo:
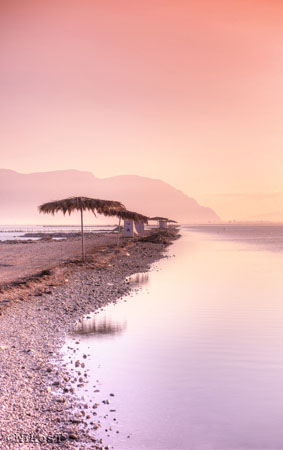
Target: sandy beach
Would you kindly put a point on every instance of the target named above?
(39, 407)
(23, 259)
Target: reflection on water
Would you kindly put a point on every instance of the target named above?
(99, 325)
(139, 279)
(199, 365)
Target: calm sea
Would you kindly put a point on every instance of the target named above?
(17, 232)
(195, 358)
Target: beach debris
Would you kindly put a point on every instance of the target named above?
(161, 236)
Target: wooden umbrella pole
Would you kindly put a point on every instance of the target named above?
(82, 232)
(118, 240)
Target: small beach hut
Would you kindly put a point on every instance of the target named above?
(132, 221)
(139, 227)
(129, 228)
(81, 204)
(162, 221)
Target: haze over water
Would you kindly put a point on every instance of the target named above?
(195, 358)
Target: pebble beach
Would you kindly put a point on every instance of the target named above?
(39, 405)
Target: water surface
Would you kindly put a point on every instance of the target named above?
(195, 358)
(17, 232)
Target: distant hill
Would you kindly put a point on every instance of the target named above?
(20, 194)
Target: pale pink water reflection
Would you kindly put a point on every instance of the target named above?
(198, 363)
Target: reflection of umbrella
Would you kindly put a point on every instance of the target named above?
(81, 204)
(126, 215)
(99, 326)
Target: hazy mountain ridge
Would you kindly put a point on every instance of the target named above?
(20, 194)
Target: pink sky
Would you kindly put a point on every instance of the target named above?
(187, 91)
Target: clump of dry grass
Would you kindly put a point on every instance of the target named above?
(162, 236)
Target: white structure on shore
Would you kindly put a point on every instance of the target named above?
(139, 227)
(162, 224)
(133, 228)
(129, 228)
(162, 221)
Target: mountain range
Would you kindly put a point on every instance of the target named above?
(20, 195)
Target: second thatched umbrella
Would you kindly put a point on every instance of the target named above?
(159, 219)
(163, 219)
(126, 215)
(68, 205)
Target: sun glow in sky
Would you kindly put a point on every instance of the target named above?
(188, 91)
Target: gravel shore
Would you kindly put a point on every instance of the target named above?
(39, 407)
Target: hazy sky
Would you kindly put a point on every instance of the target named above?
(189, 91)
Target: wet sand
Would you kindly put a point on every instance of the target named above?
(39, 407)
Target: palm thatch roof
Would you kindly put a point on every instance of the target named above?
(163, 219)
(68, 205)
(127, 215)
(159, 218)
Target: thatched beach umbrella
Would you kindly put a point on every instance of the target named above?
(159, 218)
(68, 205)
(126, 215)
(163, 219)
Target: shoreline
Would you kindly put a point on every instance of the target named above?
(38, 396)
